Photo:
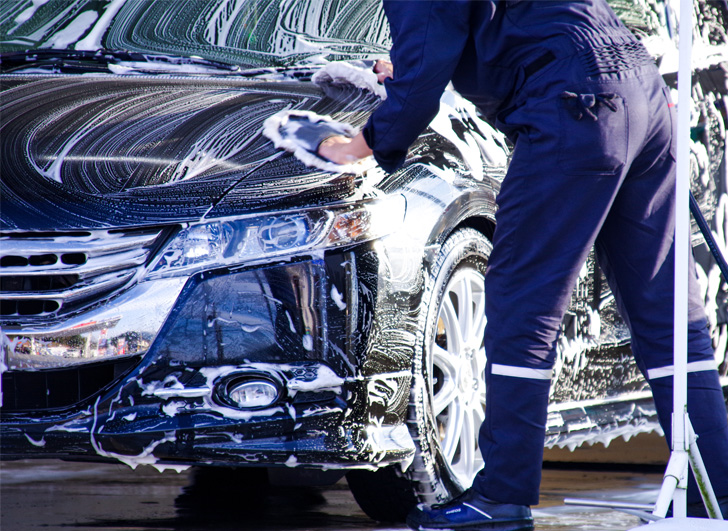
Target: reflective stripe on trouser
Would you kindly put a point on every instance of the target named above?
(573, 183)
(669, 371)
(522, 372)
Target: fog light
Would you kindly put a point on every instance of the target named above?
(253, 394)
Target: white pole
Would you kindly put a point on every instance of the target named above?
(682, 244)
(684, 449)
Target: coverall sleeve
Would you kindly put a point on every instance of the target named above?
(428, 38)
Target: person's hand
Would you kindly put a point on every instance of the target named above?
(344, 150)
(384, 70)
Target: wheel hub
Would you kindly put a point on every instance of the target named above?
(466, 380)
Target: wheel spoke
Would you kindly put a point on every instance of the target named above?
(445, 362)
(479, 411)
(480, 361)
(448, 379)
(468, 440)
(452, 327)
(453, 429)
(464, 291)
(444, 397)
(479, 321)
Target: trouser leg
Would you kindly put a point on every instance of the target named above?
(647, 302)
(547, 222)
(549, 217)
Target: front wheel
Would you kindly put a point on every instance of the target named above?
(447, 399)
(448, 394)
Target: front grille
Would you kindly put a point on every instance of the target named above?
(50, 275)
(59, 388)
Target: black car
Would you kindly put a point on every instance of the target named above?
(177, 292)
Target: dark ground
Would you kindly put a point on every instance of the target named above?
(58, 495)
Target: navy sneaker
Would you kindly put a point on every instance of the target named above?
(471, 512)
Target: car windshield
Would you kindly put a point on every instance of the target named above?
(248, 34)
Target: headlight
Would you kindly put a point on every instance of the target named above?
(250, 239)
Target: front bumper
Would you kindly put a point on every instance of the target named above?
(308, 326)
(329, 423)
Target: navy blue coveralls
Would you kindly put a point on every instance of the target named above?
(593, 163)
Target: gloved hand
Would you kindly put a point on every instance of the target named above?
(384, 69)
(344, 150)
(310, 133)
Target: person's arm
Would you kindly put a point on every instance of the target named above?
(344, 150)
(428, 38)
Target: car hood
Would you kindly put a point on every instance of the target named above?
(118, 151)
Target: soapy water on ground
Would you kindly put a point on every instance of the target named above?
(49, 494)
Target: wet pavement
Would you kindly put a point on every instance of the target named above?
(49, 494)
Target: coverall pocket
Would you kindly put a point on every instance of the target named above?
(594, 133)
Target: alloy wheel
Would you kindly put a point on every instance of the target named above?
(457, 366)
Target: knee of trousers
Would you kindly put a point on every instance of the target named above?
(653, 348)
(522, 340)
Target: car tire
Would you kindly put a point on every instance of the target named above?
(447, 399)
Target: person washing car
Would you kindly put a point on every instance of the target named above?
(593, 164)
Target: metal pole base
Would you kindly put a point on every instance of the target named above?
(676, 476)
(673, 490)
